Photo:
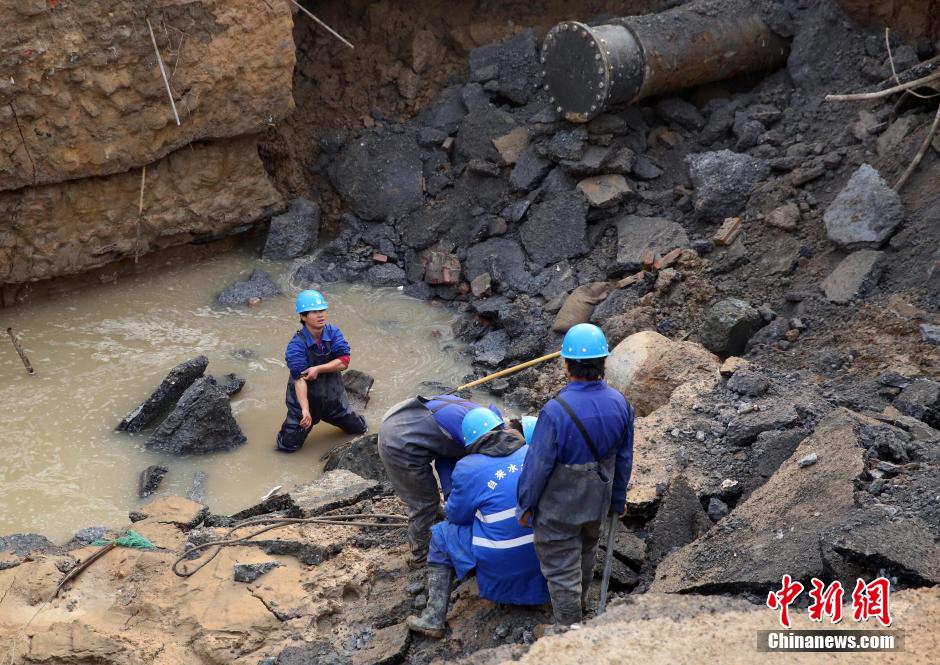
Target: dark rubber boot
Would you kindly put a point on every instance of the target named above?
(566, 607)
(431, 621)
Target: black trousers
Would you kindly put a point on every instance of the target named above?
(328, 402)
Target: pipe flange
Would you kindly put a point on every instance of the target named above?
(576, 71)
(585, 69)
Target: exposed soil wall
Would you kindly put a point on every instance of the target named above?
(82, 93)
(83, 109)
(916, 19)
(205, 189)
(84, 96)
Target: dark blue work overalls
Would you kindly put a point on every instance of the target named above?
(327, 399)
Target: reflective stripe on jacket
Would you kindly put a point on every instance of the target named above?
(484, 496)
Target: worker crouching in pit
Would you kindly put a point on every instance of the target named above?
(481, 531)
(577, 470)
(414, 434)
(316, 355)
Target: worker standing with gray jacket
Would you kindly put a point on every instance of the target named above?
(415, 433)
(576, 471)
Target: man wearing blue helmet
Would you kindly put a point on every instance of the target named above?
(577, 471)
(414, 434)
(315, 356)
(481, 531)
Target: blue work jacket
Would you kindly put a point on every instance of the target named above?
(448, 412)
(484, 497)
(607, 417)
(296, 353)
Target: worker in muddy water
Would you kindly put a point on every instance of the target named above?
(316, 355)
(481, 531)
(415, 434)
(577, 470)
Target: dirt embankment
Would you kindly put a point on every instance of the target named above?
(84, 111)
(301, 594)
(917, 20)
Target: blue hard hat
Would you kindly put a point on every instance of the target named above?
(528, 426)
(478, 422)
(310, 301)
(583, 342)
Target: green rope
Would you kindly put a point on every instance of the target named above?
(129, 539)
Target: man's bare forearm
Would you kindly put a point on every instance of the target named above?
(335, 365)
(300, 388)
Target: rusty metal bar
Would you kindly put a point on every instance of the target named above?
(587, 69)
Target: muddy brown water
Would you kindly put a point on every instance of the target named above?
(99, 352)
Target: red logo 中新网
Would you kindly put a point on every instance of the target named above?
(869, 601)
(872, 601)
(781, 600)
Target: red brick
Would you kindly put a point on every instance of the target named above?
(379, 258)
(728, 231)
(442, 269)
(669, 259)
(632, 279)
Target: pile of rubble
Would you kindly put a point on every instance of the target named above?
(750, 217)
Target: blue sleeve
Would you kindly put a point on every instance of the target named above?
(461, 504)
(340, 345)
(445, 469)
(538, 465)
(618, 499)
(296, 356)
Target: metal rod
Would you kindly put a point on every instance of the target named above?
(76, 571)
(887, 92)
(920, 153)
(140, 212)
(506, 372)
(605, 581)
(324, 25)
(21, 352)
(166, 81)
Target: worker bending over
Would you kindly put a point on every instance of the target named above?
(576, 471)
(315, 356)
(414, 434)
(481, 531)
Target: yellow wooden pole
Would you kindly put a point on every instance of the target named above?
(508, 371)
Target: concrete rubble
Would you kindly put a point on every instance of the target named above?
(256, 288)
(856, 274)
(201, 422)
(293, 233)
(865, 213)
(165, 396)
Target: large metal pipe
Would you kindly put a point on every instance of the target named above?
(587, 69)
